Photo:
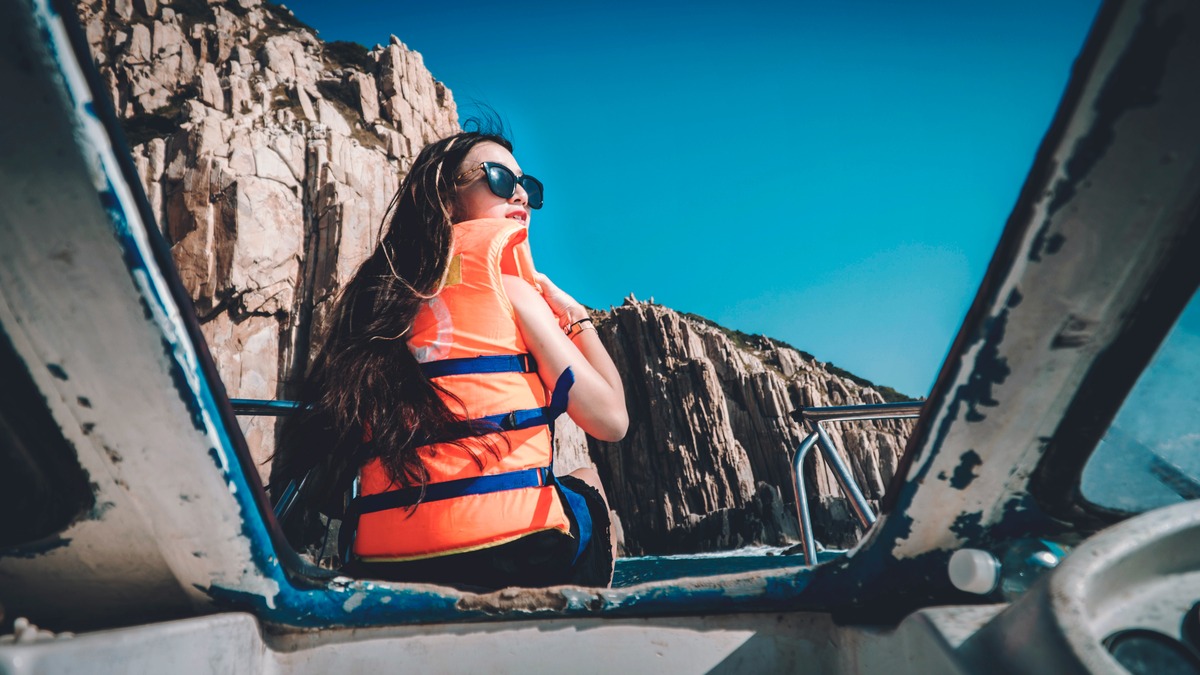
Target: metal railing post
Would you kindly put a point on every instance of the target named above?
(845, 479)
(807, 540)
(862, 510)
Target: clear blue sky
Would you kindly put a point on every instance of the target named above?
(832, 174)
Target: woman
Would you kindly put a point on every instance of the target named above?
(453, 451)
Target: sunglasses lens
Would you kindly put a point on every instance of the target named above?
(500, 180)
(533, 188)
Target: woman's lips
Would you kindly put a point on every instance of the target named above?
(518, 215)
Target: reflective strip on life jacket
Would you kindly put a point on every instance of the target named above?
(439, 346)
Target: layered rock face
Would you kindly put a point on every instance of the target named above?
(707, 460)
(269, 159)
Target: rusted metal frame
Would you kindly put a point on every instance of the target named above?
(849, 487)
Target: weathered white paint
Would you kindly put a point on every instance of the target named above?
(1125, 215)
(165, 524)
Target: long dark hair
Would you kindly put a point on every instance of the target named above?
(365, 395)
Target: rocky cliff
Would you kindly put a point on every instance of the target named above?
(707, 460)
(269, 158)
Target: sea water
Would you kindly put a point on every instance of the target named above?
(630, 571)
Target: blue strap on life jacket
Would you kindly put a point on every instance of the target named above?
(394, 499)
(493, 363)
(529, 417)
(510, 480)
(583, 517)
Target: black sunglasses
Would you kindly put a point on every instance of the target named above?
(503, 182)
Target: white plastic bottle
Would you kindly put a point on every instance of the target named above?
(1020, 564)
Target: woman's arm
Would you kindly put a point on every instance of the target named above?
(597, 400)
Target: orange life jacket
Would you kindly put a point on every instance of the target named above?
(467, 338)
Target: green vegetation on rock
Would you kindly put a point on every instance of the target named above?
(755, 342)
(350, 55)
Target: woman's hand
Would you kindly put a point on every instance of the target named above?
(597, 400)
(565, 308)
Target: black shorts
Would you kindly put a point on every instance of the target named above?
(536, 560)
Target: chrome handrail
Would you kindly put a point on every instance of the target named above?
(257, 406)
(290, 495)
(870, 411)
(845, 480)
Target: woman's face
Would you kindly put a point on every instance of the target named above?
(476, 200)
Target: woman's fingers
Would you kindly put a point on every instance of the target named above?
(548, 287)
(562, 304)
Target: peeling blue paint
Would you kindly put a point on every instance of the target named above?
(1045, 243)
(157, 305)
(1126, 88)
(375, 604)
(967, 526)
(1054, 243)
(57, 371)
(136, 262)
(990, 369)
(964, 473)
(1014, 298)
(216, 458)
